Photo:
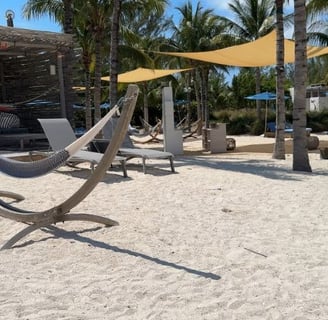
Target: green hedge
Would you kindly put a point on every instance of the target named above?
(239, 121)
(246, 122)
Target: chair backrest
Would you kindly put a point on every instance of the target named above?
(59, 132)
(108, 131)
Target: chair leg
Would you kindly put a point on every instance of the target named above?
(123, 164)
(144, 165)
(172, 164)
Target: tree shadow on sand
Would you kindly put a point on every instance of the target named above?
(265, 168)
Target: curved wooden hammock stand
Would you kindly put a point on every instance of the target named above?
(61, 212)
(149, 136)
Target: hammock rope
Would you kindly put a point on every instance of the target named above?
(33, 169)
(22, 169)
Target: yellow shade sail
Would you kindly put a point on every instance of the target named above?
(144, 74)
(258, 53)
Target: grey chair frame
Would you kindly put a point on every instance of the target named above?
(130, 151)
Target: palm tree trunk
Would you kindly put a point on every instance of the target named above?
(204, 97)
(114, 50)
(88, 115)
(279, 147)
(199, 107)
(204, 102)
(68, 59)
(86, 59)
(300, 153)
(97, 82)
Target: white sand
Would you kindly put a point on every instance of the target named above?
(229, 236)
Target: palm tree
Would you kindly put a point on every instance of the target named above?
(91, 27)
(317, 6)
(317, 29)
(318, 70)
(114, 43)
(300, 153)
(199, 30)
(142, 36)
(95, 14)
(86, 43)
(253, 19)
(129, 9)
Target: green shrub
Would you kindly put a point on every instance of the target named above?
(318, 121)
(257, 127)
(245, 121)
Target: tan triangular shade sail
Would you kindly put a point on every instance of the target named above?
(143, 74)
(258, 53)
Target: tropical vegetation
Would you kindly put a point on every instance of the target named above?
(116, 36)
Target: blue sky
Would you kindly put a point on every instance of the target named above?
(44, 24)
(220, 7)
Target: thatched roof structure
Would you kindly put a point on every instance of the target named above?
(16, 40)
(30, 66)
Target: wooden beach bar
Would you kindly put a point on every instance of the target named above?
(31, 81)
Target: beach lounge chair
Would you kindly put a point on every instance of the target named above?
(60, 134)
(193, 131)
(147, 127)
(148, 136)
(61, 212)
(271, 130)
(129, 150)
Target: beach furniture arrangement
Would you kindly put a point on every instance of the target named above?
(61, 212)
(21, 169)
(130, 151)
(60, 134)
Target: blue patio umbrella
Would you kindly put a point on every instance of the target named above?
(264, 96)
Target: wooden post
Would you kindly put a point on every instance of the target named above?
(61, 84)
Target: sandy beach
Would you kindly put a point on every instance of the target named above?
(235, 235)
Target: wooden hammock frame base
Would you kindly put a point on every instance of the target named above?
(67, 217)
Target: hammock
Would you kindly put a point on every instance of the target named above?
(21, 169)
(61, 212)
